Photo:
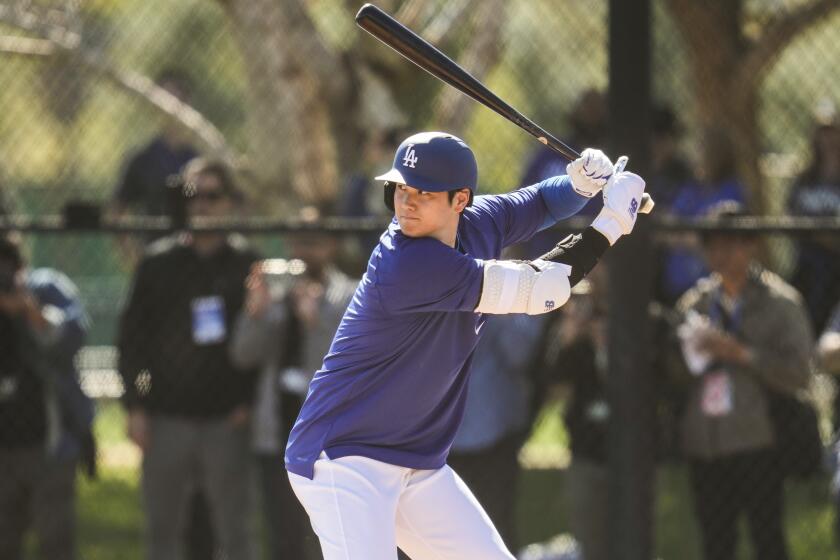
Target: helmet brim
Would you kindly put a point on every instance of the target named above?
(393, 176)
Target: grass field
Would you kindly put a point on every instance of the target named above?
(111, 521)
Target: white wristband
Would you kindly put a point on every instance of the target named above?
(583, 192)
(607, 223)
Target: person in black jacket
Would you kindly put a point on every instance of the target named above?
(45, 418)
(188, 406)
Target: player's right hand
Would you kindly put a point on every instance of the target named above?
(590, 172)
(622, 199)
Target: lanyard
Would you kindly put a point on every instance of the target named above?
(719, 316)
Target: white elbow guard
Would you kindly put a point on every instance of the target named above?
(524, 287)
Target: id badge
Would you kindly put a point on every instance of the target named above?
(717, 394)
(208, 320)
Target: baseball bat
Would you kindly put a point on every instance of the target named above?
(416, 49)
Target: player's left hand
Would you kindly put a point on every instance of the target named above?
(590, 172)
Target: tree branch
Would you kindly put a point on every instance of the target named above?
(25, 46)
(57, 41)
(779, 35)
(480, 56)
(311, 52)
(449, 16)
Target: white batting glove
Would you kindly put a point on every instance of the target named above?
(590, 172)
(622, 198)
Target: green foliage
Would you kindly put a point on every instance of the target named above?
(550, 53)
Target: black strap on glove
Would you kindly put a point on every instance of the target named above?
(581, 251)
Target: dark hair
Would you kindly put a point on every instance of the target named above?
(209, 166)
(391, 187)
(452, 195)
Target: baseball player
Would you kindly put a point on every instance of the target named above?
(367, 455)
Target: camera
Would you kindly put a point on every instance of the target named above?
(281, 274)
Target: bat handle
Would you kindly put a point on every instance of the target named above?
(647, 201)
(647, 204)
(621, 163)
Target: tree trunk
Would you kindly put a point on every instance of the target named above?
(306, 99)
(728, 71)
(291, 152)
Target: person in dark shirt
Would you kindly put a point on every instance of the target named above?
(45, 418)
(670, 171)
(188, 406)
(817, 193)
(716, 182)
(143, 187)
(588, 127)
(147, 185)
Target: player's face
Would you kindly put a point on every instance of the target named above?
(423, 213)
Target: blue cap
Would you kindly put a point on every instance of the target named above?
(434, 162)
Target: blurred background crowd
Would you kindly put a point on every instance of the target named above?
(187, 204)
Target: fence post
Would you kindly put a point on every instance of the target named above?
(630, 388)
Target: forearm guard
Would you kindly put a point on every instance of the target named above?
(581, 251)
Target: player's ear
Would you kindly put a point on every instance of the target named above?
(462, 199)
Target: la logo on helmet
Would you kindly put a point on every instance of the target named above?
(410, 158)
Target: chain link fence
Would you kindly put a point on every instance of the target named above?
(105, 102)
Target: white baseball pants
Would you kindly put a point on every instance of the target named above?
(362, 509)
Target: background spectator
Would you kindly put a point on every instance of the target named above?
(816, 192)
(828, 347)
(149, 181)
(670, 171)
(143, 186)
(45, 418)
(188, 406)
(716, 182)
(588, 129)
(290, 316)
(497, 417)
(588, 124)
(319, 298)
(267, 336)
(745, 338)
(362, 198)
(576, 357)
(828, 354)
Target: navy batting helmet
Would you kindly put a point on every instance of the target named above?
(434, 162)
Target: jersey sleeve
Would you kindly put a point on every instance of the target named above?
(515, 216)
(429, 276)
(560, 198)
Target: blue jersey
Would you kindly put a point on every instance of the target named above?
(393, 385)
